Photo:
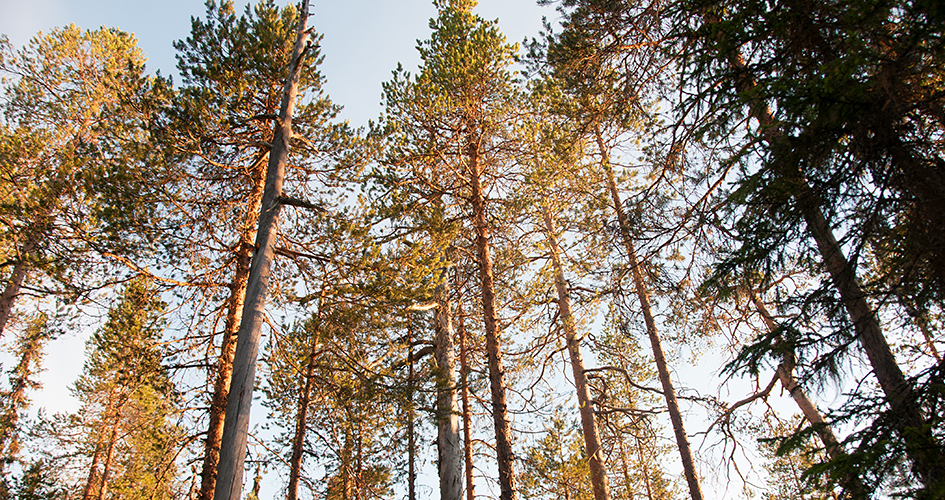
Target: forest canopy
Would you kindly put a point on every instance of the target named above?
(659, 250)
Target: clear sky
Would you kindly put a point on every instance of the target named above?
(364, 39)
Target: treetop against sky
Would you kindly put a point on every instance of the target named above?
(363, 39)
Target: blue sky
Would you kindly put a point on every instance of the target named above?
(364, 39)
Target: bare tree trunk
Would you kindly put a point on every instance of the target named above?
(503, 445)
(448, 445)
(592, 444)
(99, 449)
(234, 309)
(682, 440)
(10, 292)
(627, 483)
(239, 401)
(467, 415)
(298, 441)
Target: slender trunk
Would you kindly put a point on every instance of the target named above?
(682, 440)
(448, 446)
(110, 455)
(298, 441)
(503, 437)
(17, 276)
(627, 482)
(239, 401)
(467, 412)
(592, 443)
(99, 449)
(411, 436)
(93, 471)
(921, 446)
(646, 470)
(785, 371)
(234, 309)
(30, 347)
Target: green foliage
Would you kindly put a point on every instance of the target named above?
(556, 466)
(128, 401)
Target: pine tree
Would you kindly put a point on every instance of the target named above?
(447, 125)
(127, 400)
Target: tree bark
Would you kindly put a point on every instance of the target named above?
(503, 445)
(239, 401)
(109, 456)
(669, 393)
(411, 430)
(17, 276)
(234, 309)
(592, 443)
(467, 412)
(448, 443)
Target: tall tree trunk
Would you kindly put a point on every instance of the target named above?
(110, 454)
(592, 443)
(625, 467)
(17, 276)
(100, 445)
(646, 470)
(239, 401)
(449, 452)
(503, 438)
(234, 309)
(30, 351)
(411, 431)
(298, 441)
(921, 446)
(682, 439)
(467, 411)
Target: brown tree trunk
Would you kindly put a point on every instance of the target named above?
(298, 441)
(17, 276)
(109, 456)
(449, 452)
(411, 430)
(467, 411)
(503, 437)
(785, 371)
(592, 444)
(239, 401)
(234, 309)
(682, 440)
(99, 449)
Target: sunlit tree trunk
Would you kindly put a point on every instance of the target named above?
(503, 435)
(298, 440)
(17, 276)
(592, 442)
(785, 373)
